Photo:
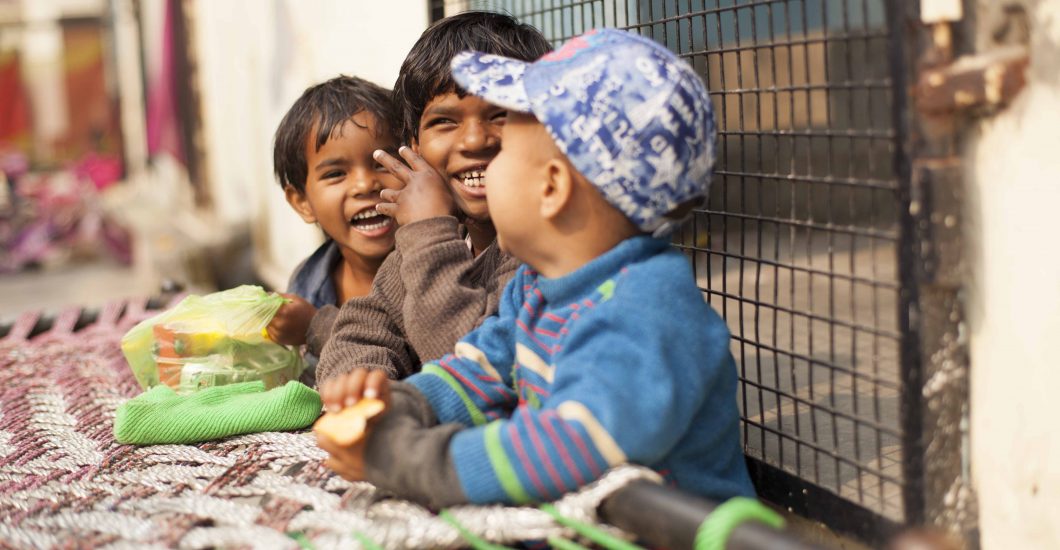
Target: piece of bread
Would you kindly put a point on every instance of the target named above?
(346, 427)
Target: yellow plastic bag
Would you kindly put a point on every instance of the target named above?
(212, 340)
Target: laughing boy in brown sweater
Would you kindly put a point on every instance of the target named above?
(447, 273)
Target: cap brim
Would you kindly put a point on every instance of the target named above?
(496, 79)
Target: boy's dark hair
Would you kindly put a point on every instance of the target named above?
(425, 72)
(330, 104)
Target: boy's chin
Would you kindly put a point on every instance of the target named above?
(372, 251)
(476, 219)
(474, 211)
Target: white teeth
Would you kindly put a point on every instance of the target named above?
(367, 214)
(473, 178)
(373, 227)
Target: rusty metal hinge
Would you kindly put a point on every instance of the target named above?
(976, 83)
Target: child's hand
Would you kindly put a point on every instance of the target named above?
(425, 194)
(291, 322)
(347, 461)
(345, 391)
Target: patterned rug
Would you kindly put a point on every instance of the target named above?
(65, 482)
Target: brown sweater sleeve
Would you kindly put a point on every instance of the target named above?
(447, 291)
(320, 328)
(367, 332)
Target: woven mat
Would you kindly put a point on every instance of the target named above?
(65, 482)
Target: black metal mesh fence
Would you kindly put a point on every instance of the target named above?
(798, 245)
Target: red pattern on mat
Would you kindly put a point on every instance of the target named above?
(66, 483)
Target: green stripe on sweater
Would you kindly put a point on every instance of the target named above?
(502, 466)
(476, 415)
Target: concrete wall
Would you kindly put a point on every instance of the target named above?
(255, 58)
(1014, 299)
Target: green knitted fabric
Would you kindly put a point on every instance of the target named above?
(160, 416)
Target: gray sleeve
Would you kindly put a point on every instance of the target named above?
(407, 452)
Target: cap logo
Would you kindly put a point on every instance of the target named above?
(570, 48)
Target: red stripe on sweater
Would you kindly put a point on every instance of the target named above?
(543, 453)
(536, 389)
(544, 347)
(561, 448)
(580, 444)
(466, 382)
(553, 317)
(525, 459)
(544, 332)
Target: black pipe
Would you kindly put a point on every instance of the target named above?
(663, 517)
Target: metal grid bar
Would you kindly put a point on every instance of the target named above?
(798, 245)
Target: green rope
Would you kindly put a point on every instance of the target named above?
(590, 532)
(714, 532)
(303, 541)
(474, 540)
(366, 542)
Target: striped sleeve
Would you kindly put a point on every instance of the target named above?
(536, 455)
(473, 385)
(625, 388)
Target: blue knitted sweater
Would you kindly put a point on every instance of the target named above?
(619, 361)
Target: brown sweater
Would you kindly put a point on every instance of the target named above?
(427, 295)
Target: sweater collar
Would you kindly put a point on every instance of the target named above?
(584, 280)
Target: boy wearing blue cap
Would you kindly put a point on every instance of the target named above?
(603, 351)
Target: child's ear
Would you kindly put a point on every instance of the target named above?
(557, 187)
(414, 144)
(298, 201)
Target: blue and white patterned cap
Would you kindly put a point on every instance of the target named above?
(629, 115)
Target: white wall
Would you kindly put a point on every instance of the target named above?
(255, 58)
(1014, 305)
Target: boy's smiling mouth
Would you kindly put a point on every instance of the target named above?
(473, 180)
(371, 223)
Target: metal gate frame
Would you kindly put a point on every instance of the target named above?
(936, 488)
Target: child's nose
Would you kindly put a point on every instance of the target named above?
(365, 182)
(478, 136)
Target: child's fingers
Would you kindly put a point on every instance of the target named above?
(353, 386)
(387, 209)
(344, 471)
(327, 445)
(392, 165)
(376, 384)
(414, 159)
(331, 394)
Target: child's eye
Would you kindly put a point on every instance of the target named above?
(500, 117)
(439, 121)
(334, 174)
